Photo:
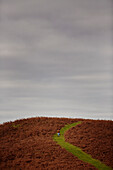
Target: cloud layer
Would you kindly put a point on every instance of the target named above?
(56, 58)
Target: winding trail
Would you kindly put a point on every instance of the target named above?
(76, 150)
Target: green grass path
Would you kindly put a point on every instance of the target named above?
(76, 150)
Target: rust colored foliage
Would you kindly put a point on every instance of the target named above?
(28, 144)
(94, 137)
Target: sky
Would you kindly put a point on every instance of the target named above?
(56, 59)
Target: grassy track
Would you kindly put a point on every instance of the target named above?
(76, 150)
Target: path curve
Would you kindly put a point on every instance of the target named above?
(76, 151)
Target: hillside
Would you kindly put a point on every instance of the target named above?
(28, 143)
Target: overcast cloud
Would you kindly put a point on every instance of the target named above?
(56, 58)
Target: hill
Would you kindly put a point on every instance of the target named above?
(28, 143)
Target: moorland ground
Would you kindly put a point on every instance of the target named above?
(28, 143)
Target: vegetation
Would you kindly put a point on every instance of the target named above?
(76, 150)
(28, 144)
(15, 126)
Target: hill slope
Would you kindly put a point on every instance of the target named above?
(94, 138)
(28, 144)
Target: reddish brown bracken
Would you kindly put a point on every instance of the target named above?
(28, 143)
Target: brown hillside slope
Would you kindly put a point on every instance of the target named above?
(28, 144)
(95, 138)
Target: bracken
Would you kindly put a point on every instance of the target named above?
(31, 146)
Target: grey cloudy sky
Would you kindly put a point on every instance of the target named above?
(56, 58)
